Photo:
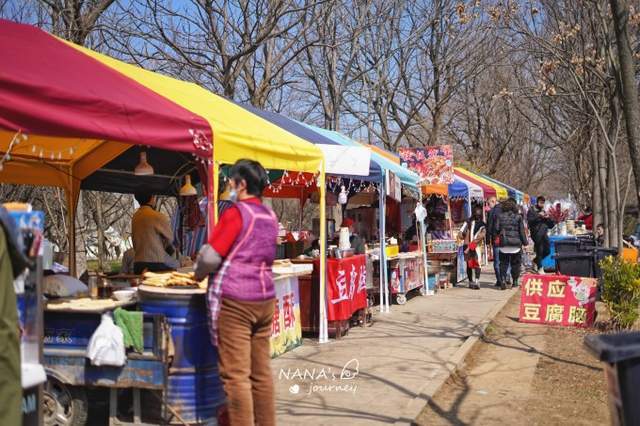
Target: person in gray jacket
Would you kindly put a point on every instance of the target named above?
(511, 237)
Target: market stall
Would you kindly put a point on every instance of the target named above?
(464, 197)
(399, 183)
(107, 107)
(348, 168)
(442, 247)
(407, 268)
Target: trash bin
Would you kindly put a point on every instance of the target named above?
(575, 264)
(567, 246)
(599, 253)
(621, 353)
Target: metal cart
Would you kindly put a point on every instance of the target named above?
(405, 272)
(70, 374)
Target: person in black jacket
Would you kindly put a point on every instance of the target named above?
(539, 224)
(511, 238)
(492, 217)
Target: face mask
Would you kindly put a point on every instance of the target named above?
(233, 195)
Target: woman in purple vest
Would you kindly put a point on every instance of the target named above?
(241, 295)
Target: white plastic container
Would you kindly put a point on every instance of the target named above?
(344, 243)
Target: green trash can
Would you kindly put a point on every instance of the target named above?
(621, 353)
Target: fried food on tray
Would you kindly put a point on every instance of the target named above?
(172, 279)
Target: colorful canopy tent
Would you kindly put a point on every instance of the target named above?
(436, 189)
(500, 191)
(487, 190)
(475, 191)
(512, 192)
(471, 193)
(81, 109)
(518, 195)
(458, 189)
(407, 178)
(374, 172)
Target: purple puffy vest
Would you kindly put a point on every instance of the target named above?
(246, 272)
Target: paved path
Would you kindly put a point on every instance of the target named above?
(498, 383)
(400, 360)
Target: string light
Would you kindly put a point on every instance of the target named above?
(17, 138)
(43, 152)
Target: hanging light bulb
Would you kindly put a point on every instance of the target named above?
(143, 168)
(33, 149)
(188, 189)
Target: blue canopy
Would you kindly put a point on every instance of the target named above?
(407, 177)
(458, 189)
(316, 138)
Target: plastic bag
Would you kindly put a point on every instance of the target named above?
(106, 346)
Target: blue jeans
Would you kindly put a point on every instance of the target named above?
(496, 264)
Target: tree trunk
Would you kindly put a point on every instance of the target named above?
(612, 204)
(81, 248)
(100, 231)
(629, 90)
(596, 199)
(602, 176)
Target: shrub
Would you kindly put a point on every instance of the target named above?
(621, 291)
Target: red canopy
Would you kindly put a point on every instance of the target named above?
(69, 94)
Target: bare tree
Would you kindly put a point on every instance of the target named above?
(240, 49)
(627, 82)
(329, 65)
(75, 20)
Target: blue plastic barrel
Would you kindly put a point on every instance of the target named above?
(194, 388)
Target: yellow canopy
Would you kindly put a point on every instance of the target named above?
(501, 191)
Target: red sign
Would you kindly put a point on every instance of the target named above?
(346, 287)
(558, 299)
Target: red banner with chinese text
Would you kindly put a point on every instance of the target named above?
(346, 287)
(558, 299)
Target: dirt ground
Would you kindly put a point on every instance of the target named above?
(524, 374)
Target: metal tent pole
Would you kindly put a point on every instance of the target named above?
(323, 335)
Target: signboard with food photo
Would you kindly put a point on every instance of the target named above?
(434, 164)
